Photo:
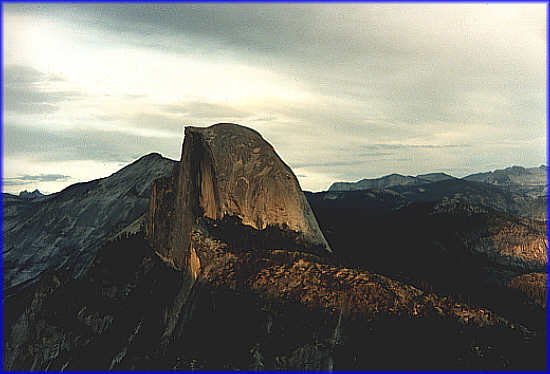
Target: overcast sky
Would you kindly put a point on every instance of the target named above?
(343, 91)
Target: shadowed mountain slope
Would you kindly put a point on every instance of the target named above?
(516, 190)
(448, 246)
(232, 272)
(65, 229)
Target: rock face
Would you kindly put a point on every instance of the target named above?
(504, 239)
(232, 272)
(536, 209)
(65, 229)
(227, 172)
(534, 285)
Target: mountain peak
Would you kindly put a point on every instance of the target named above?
(377, 183)
(228, 173)
(529, 181)
(31, 195)
(69, 226)
(435, 177)
(153, 156)
(515, 169)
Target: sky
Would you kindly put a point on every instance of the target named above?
(343, 91)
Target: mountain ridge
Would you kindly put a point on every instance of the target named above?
(65, 227)
(534, 182)
(233, 267)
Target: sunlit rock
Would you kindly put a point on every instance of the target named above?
(229, 175)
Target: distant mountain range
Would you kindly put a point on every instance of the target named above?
(220, 262)
(516, 189)
(486, 229)
(531, 182)
(389, 181)
(451, 238)
(72, 218)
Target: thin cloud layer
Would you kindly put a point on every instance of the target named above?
(19, 181)
(28, 90)
(343, 91)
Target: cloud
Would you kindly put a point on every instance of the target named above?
(21, 74)
(412, 146)
(27, 182)
(38, 178)
(28, 90)
(197, 109)
(43, 144)
(324, 164)
(343, 91)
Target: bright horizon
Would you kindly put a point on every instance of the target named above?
(322, 190)
(342, 91)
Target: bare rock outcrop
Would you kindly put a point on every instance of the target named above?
(233, 273)
(533, 285)
(505, 239)
(229, 174)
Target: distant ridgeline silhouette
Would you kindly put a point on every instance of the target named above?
(218, 262)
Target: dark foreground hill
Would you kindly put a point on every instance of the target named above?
(253, 310)
(450, 246)
(229, 270)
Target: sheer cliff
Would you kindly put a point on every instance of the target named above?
(226, 172)
(231, 271)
